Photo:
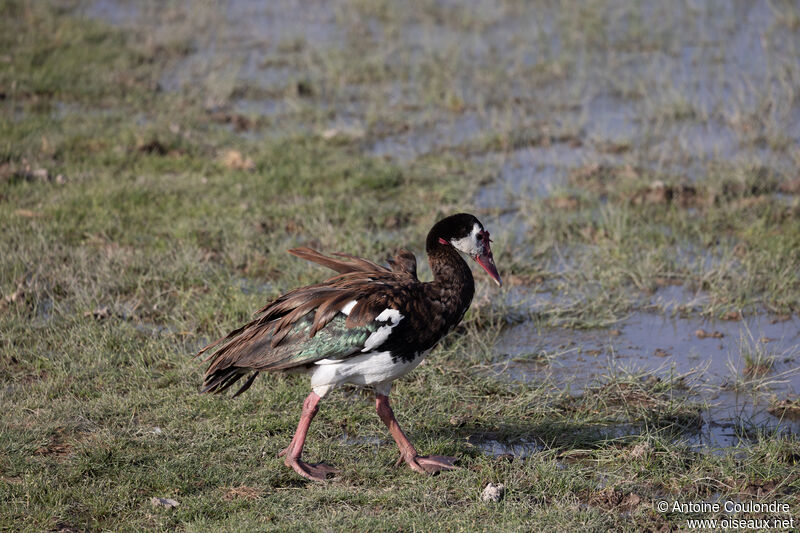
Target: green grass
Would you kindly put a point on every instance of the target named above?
(151, 243)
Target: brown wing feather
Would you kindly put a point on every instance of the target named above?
(269, 339)
(356, 276)
(354, 264)
(328, 309)
(404, 262)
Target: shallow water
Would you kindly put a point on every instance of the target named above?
(520, 449)
(712, 362)
(651, 342)
(695, 71)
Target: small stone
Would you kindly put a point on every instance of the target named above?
(564, 202)
(169, 503)
(631, 501)
(241, 492)
(652, 381)
(345, 133)
(661, 353)
(41, 174)
(100, 313)
(791, 186)
(780, 318)
(493, 493)
(640, 450)
(703, 334)
(234, 160)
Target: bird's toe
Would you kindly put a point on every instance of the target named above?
(431, 464)
(314, 472)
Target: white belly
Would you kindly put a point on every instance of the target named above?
(374, 369)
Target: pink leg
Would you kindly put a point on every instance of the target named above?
(427, 464)
(315, 472)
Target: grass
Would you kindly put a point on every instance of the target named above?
(141, 220)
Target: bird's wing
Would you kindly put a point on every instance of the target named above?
(350, 313)
(249, 349)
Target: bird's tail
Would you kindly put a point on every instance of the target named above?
(222, 378)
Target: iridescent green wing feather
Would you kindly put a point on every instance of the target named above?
(334, 341)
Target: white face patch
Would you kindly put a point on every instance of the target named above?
(349, 307)
(468, 244)
(393, 317)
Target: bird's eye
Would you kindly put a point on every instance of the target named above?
(480, 236)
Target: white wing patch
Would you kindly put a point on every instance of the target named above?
(468, 244)
(349, 307)
(393, 317)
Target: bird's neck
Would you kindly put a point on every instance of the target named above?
(452, 278)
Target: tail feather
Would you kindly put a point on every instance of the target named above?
(247, 384)
(223, 378)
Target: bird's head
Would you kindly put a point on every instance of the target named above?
(466, 234)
